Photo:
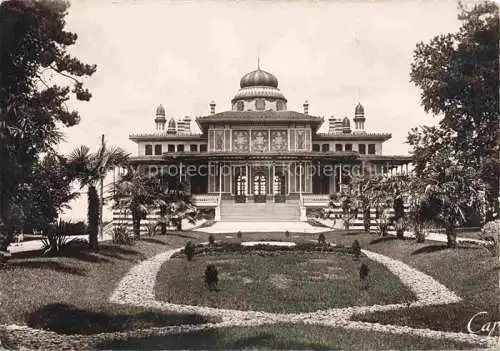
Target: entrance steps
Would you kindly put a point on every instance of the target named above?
(260, 212)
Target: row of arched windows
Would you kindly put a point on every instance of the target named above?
(260, 105)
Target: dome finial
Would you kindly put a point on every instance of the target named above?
(258, 62)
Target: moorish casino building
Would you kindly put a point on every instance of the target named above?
(260, 152)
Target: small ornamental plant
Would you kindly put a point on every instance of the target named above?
(356, 249)
(287, 234)
(239, 234)
(211, 277)
(211, 240)
(363, 274)
(321, 239)
(189, 250)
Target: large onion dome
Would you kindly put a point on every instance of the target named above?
(259, 91)
(259, 78)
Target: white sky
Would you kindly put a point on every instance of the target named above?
(184, 54)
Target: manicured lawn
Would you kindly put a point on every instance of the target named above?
(283, 336)
(69, 294)
(279, 282)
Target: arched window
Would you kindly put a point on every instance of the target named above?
(279, 184)
(259, 184)
(241, 185)
(240, 106)
(280, 106)
(260, 104)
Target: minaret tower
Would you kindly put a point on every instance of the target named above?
(160, 118)
(359, 118)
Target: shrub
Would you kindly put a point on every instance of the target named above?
(77, 228)
(122, 236)
(76, 245)
(321, 239)
(356, 249)
(4, 257)
(55, 238)
(239, 234)
(189, 250)
(419, 232)
(211, 277)
(363, 272)
(211, 240)
(490, 234)
(151, 228)
(287, 234)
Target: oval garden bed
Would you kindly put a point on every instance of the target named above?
(278, 279)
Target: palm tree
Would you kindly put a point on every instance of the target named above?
(174, 203)
(89, 169)
(135, 191)
(449, 192)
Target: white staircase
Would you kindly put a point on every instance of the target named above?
(260, 212)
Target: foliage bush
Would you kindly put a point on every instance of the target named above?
(419, 231)
(122, 236)
(211, 240)
(211, 277)
(77, 228)
(490, 234)
(152, 228)
(75, 245)
(225, 247)
(356, 249)
(321, 239)
(55, 238)
(363, 271)
(189, 250)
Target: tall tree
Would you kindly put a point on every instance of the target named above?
(48, 192)
(458, 77)
(33, 48)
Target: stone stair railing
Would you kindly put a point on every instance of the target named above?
(316, 200)
(205, 200)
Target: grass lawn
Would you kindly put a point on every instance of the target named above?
(69, 294)
(279, 282)
(283, 336)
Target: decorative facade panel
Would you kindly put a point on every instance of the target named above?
(227, 139)
(300, 139)
(259, 141)
(292, 139)
(279, 140)
(218, 140)
(241, 140)
(210, 140)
